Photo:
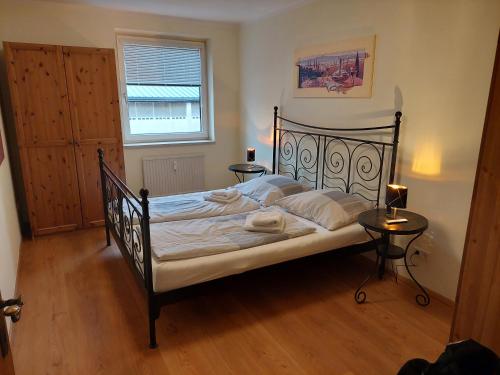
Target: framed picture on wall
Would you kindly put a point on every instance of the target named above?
(342, 69)
(2, 153)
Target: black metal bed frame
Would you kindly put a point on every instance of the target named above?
(324, 157)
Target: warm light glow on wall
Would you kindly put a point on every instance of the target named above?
(427, 159)
(266, 139)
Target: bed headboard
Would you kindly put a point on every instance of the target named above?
(358, 161)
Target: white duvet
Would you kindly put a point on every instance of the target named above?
(197, 238)
(194, 206)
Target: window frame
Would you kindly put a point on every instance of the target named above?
(178, 137)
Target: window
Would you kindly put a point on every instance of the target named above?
(163, 84)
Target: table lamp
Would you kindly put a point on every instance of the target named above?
(250, 154)
(395, 197)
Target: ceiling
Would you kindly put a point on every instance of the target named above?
(216, 10)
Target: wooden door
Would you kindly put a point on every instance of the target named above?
(39, 97)
(95, 117)
(6, 363)
(477, 313)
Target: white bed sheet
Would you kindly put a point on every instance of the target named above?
(174, 274)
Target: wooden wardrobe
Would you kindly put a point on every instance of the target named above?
(477, 311)
(65, 104)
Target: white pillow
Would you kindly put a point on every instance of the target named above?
(267, 189)
(332, 209)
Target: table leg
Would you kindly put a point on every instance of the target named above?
(386, 239)
(360, 295)
(238, 177)
(422, 299)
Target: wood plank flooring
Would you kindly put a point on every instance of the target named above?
(84, 314)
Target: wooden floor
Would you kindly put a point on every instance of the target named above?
(84, 314)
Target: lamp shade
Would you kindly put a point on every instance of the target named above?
(250, 154)
(396, 195)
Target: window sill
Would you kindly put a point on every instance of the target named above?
(170, 143)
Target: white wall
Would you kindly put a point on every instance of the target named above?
(10, 236)
(433, 61)
(68, 24)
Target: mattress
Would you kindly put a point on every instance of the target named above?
(174, 274)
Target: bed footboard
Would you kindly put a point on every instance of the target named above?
(126, 218)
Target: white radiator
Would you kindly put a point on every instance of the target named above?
(167, 175)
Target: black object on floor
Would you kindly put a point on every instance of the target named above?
(461, 358)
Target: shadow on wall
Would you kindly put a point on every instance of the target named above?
(384, 113)
(264, 128)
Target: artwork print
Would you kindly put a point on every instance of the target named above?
(342, 69)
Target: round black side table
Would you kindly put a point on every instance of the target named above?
(246, 168)
(375, 221)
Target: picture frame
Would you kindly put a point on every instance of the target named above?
(342, 69)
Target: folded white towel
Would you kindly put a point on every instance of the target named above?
(225, 193)
(267, 218)
(220, 199)
(249, 225)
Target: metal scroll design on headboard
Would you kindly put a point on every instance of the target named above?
(298, 155)
(352, 167)
(360, 163)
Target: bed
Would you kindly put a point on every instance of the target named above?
(357, 161)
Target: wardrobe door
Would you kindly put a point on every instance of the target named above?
(477, 307)
(44, 135)
(95, 117)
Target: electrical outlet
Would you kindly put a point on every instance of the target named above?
(423, 247)
(420, 255)
(425, 244)
(424, 252)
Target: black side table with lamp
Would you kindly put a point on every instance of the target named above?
(245, 168)
(391, 222)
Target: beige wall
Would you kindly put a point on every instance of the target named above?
(40, 22)
(433, 61)
(10, 236)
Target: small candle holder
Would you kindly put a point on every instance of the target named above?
(250, 154)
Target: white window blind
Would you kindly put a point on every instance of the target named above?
(159, 65)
